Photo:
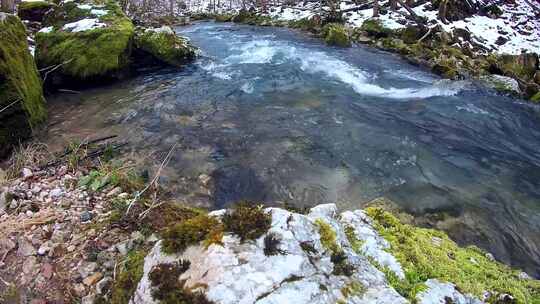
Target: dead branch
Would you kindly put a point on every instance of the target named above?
(9, 105)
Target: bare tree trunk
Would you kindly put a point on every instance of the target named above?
(442, 11)
(8, 6)
(376, 8)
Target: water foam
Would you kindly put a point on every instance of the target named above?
(264, 51)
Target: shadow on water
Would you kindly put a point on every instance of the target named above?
(267, 114)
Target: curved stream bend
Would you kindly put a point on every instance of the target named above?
(272, 115)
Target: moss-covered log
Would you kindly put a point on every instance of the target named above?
(22, 105)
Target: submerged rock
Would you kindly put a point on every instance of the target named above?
(502, 84)
(336, 34)
(85, 41)
(21, 93)
(164, 45)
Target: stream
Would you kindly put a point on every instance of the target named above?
(271, 115)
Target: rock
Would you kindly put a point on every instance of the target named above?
(80, 290)
(104, 285)
(375, 28)
(26, 173)
(25, 248)
(19, 80)
(43, 249)
(33, 10)
(56, 193)
(501, 83)
(86, 216)
(47, 271)
(89, 299)
(164, 45)
(115, 191)
(123, 195)
(439, 292)
(537, 77)
(524, 276)
(85, 45)
(523, 66)
(336, 34)
(92, 279)
(87, 268)
(30, 265)
(241, 273)
(411, 34)
(3, 200)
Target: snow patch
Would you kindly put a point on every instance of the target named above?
(46, 30)
(99, 12)
(83, 25)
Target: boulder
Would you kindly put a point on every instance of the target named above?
(21, 92)
(223, 18)
(523, 66)
(164, 45)
(502, 84)
(87, 41)
(34, 10)
(411, 34)
(336, 34)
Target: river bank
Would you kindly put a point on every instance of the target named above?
(88, 229)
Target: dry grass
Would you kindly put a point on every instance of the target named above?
(32, 155)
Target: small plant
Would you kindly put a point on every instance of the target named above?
(341, 264)
(247, 221)
(308, 247)
(356, 244)
(189, 232)
(128, 278)
(169, 290)
(329, 242)
(271, 245)
(353, 288)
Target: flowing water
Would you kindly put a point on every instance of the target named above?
(271, 115)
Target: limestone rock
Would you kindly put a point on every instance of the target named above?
(241, 273)
(439, 292)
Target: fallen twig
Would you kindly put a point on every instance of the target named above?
(154, 180)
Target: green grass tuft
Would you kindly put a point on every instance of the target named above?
(128, 278)
(247, 221)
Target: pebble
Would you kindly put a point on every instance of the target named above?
(103, 286)
(114, 192)
(25, 248)
(56, 193)
(92, 279)
(29, 213)
(27, 173)
(86, 216)
(123, 195)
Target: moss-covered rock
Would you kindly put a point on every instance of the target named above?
(336, 34)
(223, 18)
(521, 66)
(375, 28)
(502, 84)
(163, 44)
(427, 254)
(312, 24)
(85, 51)
(411, 34)
(21, 93)
(34, 10)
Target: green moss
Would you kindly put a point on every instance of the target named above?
(306, 24)
(374, 27)
(98, 52)
(535, 97)
(336, 34)
(328, 240)
(168, 289)
(328, 236)
(165, 46)
(353, 289)
(469, 268)
(247, 221)
(356, 244)
(410, 34)
(20, 85)
(129, 276)
(189, 232)
(223, 18)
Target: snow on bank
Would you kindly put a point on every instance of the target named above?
(517, 27)
(83, 25)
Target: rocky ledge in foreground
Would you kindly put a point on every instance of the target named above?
(255, 255)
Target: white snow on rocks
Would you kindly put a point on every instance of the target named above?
(164, 29)
(99, 12)
(241, 273)
(83, 25)
(46, 30)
